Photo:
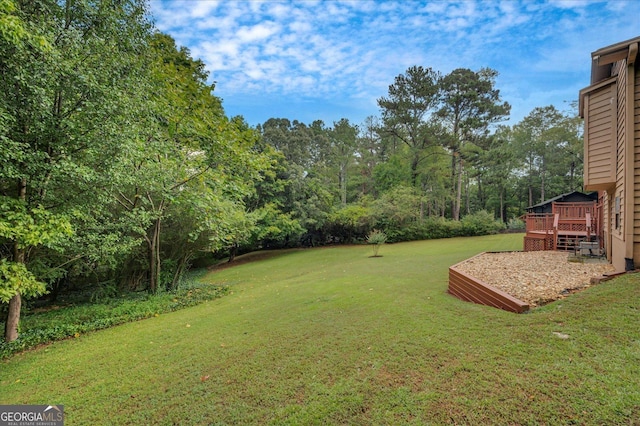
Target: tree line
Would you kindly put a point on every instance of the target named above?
(119, 167)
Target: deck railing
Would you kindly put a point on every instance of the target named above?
(536, 222)
(578, 217)
(574, 210)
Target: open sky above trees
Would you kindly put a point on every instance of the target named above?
(310, 60)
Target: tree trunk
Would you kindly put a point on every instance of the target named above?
(153, 281)
(458, 202)
(13, 318)
(182, 264)
(502, 205)
(158, 264)
(343, 185)
(453, 182)
(56, 287)
(481, 200)
(15, 303)
(571, 175)
(153, 244)
(233, 252)
(542, 183)
(414, 169)
(467, 196)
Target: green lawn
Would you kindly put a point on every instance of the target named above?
(332, 336)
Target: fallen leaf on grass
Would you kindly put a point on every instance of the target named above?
(204, 378)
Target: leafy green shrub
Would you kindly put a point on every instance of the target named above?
(273, 228)
(397, 212)
(72, 321)
(376, 238)
(350, 223)
(516, 223)
(480, 223)
(439, 227)
(400, 205)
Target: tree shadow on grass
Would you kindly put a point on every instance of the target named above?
(253, 256)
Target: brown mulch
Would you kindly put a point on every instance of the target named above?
(535, 277)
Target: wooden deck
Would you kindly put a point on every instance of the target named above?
(470, 289)
(564, 228)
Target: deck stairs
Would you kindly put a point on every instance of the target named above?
(570, 242)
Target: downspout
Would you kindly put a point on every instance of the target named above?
(629, 185)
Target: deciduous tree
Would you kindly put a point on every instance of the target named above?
(68, 88)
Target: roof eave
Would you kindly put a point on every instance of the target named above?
(627, 49)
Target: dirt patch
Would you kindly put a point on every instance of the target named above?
(535, 277)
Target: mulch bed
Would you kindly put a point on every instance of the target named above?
(535, 277)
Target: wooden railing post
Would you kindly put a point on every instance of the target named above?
(556, 219)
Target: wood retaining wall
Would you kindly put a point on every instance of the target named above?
(470, 289)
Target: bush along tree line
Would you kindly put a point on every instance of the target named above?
(119, 167)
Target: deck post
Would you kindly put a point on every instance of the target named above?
(556, 219)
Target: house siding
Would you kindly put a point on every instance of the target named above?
(607, 220)
(636, 174)
(618, 227)
(601, 126)
(616, 67)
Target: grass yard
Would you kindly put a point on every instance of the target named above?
(332, 336)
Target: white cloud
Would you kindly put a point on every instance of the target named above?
(351, 50)
(202, 9)
(570, 4)
(258, 32)
(277, 10)
(620, 5)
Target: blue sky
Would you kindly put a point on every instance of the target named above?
(328, 60)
